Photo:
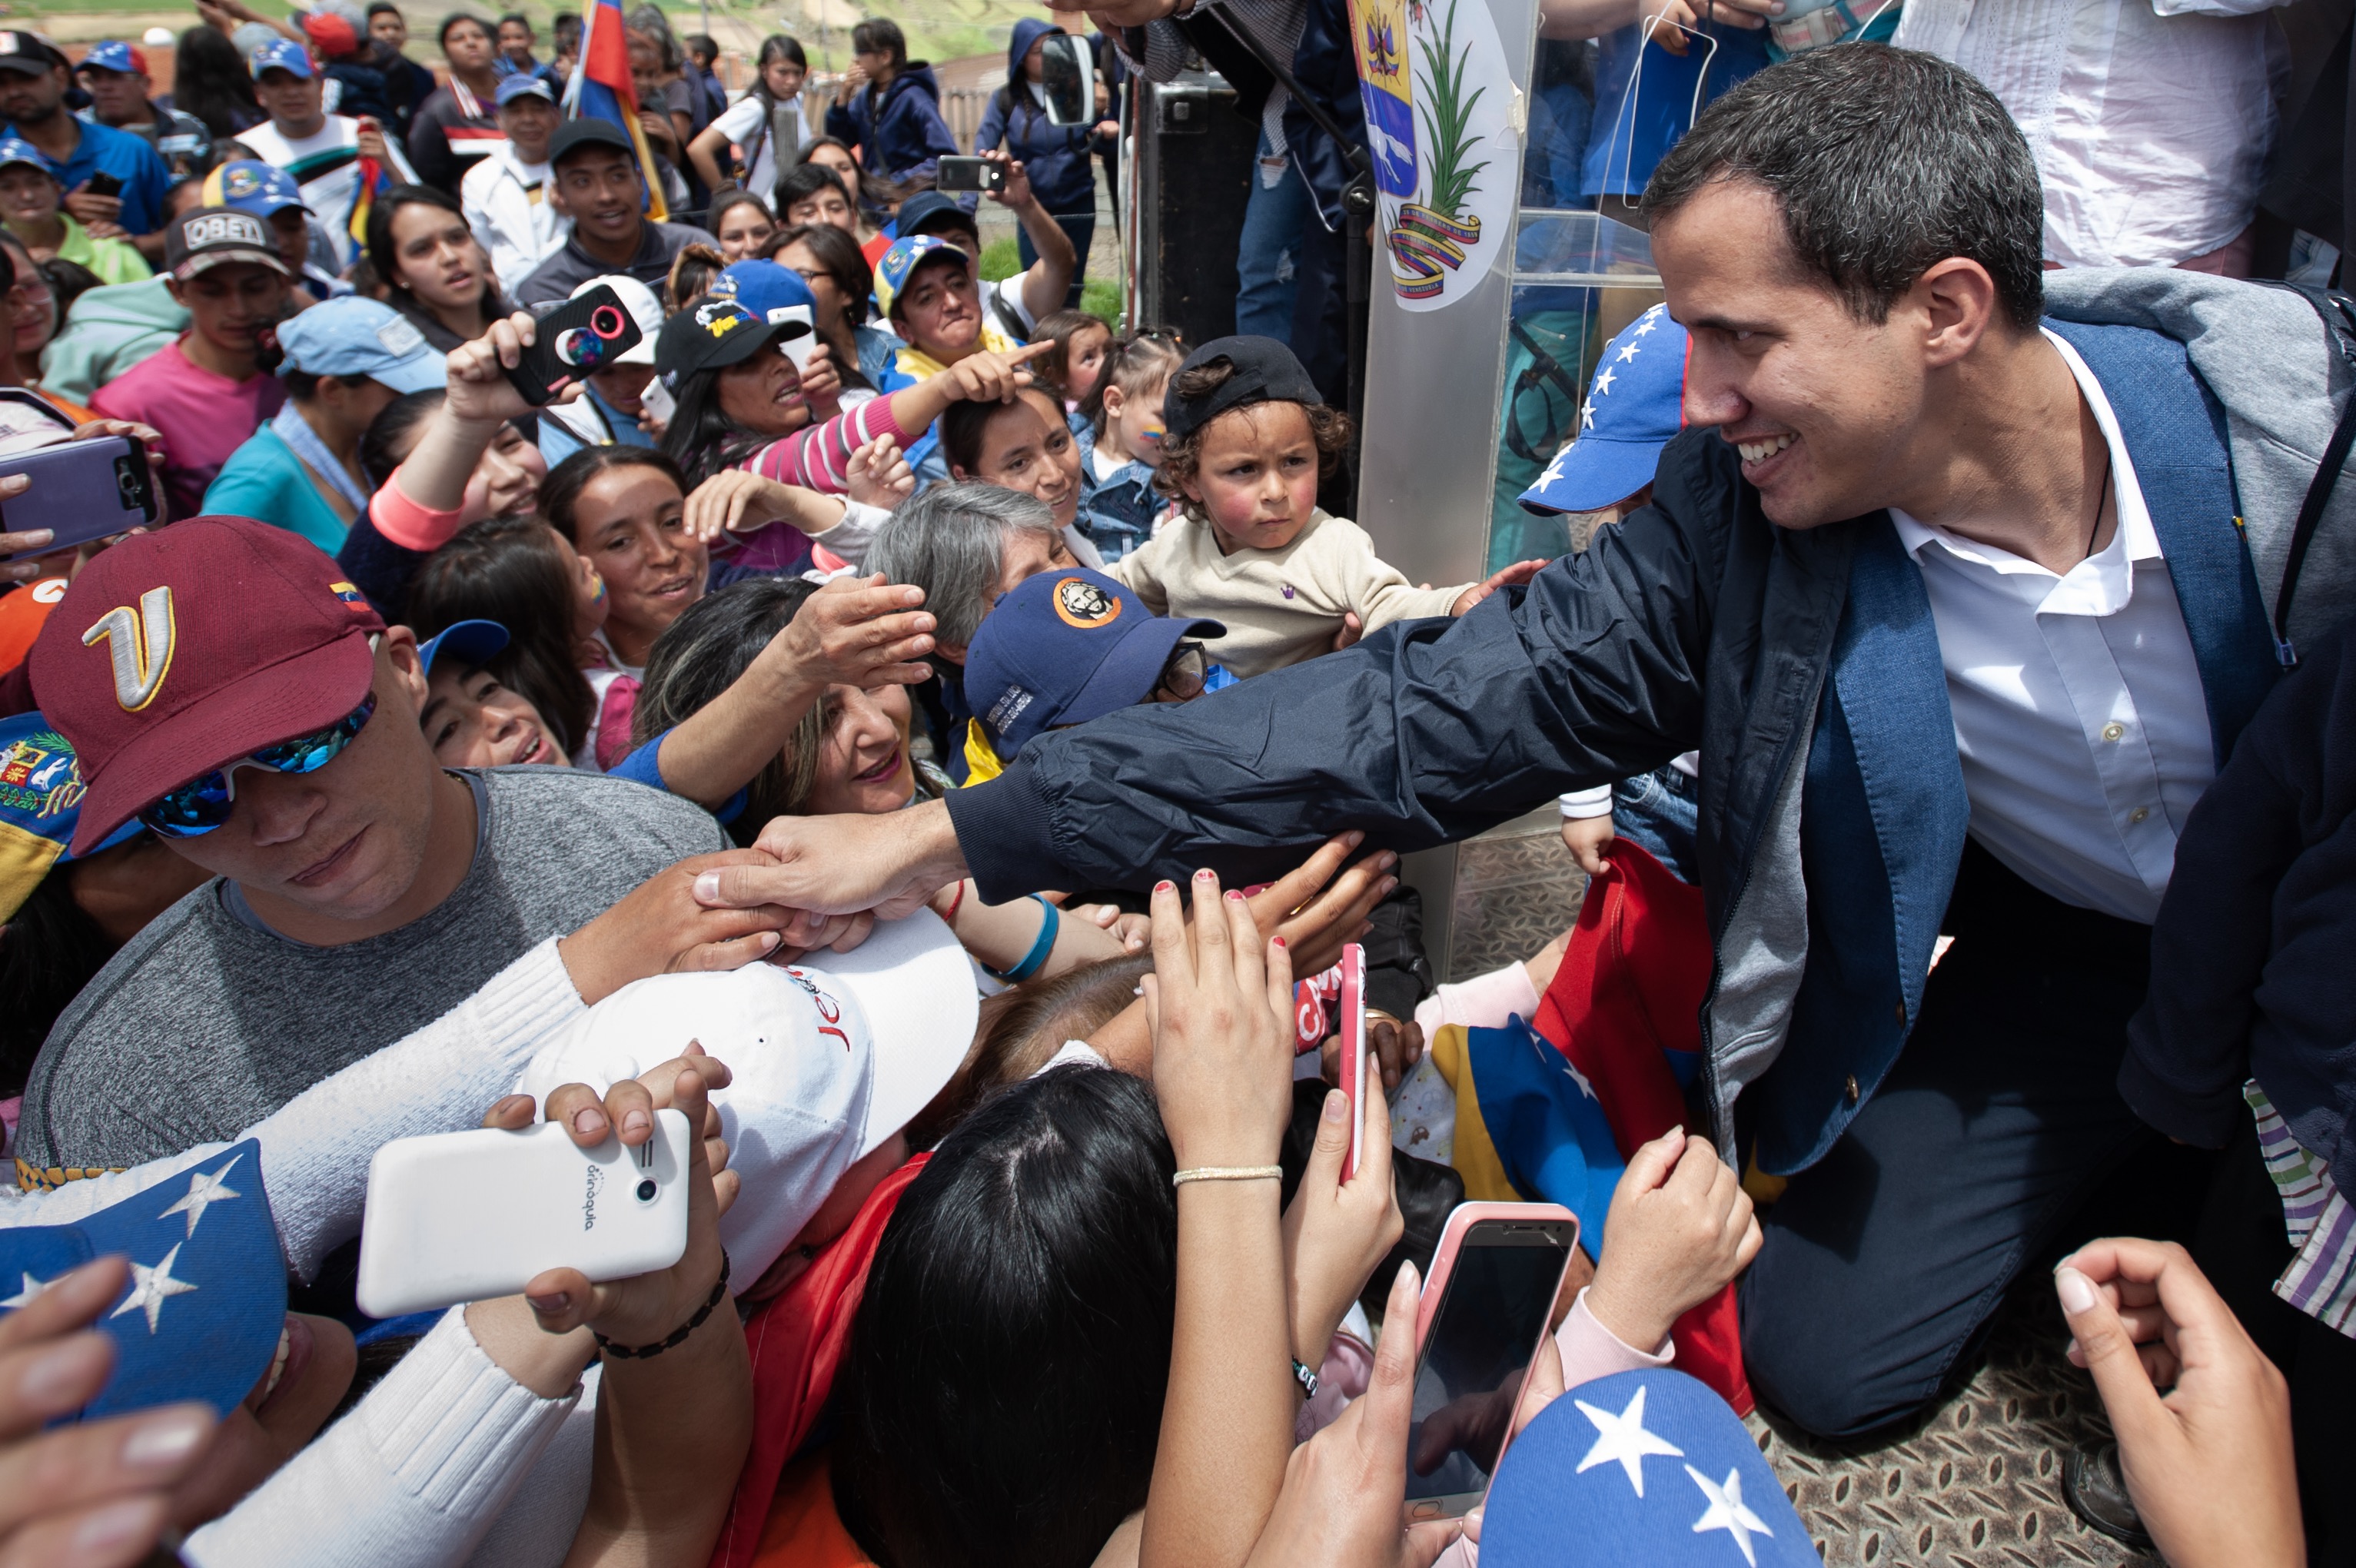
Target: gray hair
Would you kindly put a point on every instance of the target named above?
(650, 20)
(950, 541)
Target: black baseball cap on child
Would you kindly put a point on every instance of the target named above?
(1264, 372)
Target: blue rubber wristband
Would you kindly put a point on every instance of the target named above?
(1036, 959)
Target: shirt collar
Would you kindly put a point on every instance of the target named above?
(2097, 586)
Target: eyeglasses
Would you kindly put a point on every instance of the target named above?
(201, 805)
(1183, 677)
(29, 296)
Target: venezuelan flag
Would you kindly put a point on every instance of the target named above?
(1529, 1128)
(601, 86)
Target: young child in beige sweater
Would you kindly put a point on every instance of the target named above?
(1246, 443)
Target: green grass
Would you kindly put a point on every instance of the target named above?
(1100, 297)
(1001, 259)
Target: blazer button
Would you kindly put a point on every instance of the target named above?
(1901, 1015)
(1852, 1088)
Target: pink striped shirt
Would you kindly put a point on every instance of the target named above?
(819, 458)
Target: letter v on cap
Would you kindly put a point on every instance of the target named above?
(141, 646)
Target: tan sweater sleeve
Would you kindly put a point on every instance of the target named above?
(1144, 571)
(1358, 578)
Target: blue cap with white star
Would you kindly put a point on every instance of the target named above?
(1646, 1466)
(206, 1301)
(1633, 406)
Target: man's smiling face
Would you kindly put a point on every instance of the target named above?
(1818, 399)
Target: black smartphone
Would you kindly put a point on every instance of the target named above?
(81, 490)
(579, 337)
(104, 184)
(970, 174)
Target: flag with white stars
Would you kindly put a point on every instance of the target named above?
(1645, 1467)
(207, 1300)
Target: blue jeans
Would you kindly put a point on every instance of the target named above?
(1885, 1260)
(1082, 227)
(1661, 811)
(1268, 259)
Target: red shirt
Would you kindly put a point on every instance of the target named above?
(203, 417)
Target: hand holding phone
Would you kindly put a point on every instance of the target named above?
(970, 174)
(78, 491)
(577, 339)
(456, 1217)
(1338, 1231)
(1353, 1051)
(1490, 1300)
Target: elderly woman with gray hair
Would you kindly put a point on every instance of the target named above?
(965, 545)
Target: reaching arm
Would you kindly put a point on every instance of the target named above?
(851, 633)
(985, 377)
(1050, 277)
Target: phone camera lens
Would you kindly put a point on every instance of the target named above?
(646, 1192)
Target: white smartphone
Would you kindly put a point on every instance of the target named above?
(657, 400)
(459, 1217)
(1353, 1052)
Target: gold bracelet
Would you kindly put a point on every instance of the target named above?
(1229, 1173)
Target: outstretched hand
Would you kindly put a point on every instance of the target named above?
(478, 388)
(1317, 907)
(861, 631)
(1219, 1002)
(1521, 571)
(1337, 1233)
(2209, 1463)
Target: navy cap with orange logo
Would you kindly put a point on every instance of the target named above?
(178, 651)
(1065, 647)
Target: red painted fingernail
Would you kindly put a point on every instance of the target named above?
(1164, 887)
(1235, 895)
(1278, 940)
(1204, 875)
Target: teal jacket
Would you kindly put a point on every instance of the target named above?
(109, 330)
(265, 480)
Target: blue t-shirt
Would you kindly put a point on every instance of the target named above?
(105, 150)
(1632, 133)
(643, 766)
(263, 479)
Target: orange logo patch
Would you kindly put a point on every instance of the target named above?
(1083, 604)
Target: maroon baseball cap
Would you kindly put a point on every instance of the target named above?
(177, 651)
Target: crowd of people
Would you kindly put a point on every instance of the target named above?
(939, 743)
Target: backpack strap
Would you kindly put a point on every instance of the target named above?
(2339, 314)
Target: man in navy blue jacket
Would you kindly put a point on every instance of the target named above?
(1963, 601)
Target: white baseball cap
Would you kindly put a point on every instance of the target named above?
(645, 311)
(826, 1063)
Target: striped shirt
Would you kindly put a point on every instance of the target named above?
(326, 165)
(2321, 1280)
(818, 457)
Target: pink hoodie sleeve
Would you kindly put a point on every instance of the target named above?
(411, 527)
(1485, 1001)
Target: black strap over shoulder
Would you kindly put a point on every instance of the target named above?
(2339, 314)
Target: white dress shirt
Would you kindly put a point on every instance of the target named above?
(2078, 706)
(2149, 119)
(504, 201)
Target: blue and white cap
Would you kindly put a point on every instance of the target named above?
(249, 185)
(771, 291)
(206, 1301)
(1634, 405)
(17, 150)
(282, 54)
(1646, 1466)
(352, 334)
(113, 55)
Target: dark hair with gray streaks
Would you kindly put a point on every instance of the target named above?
(950, 541)
(1886, 162)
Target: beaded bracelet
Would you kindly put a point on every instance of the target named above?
(1229, 1173)
(1305, 1377)
(677, 1336)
